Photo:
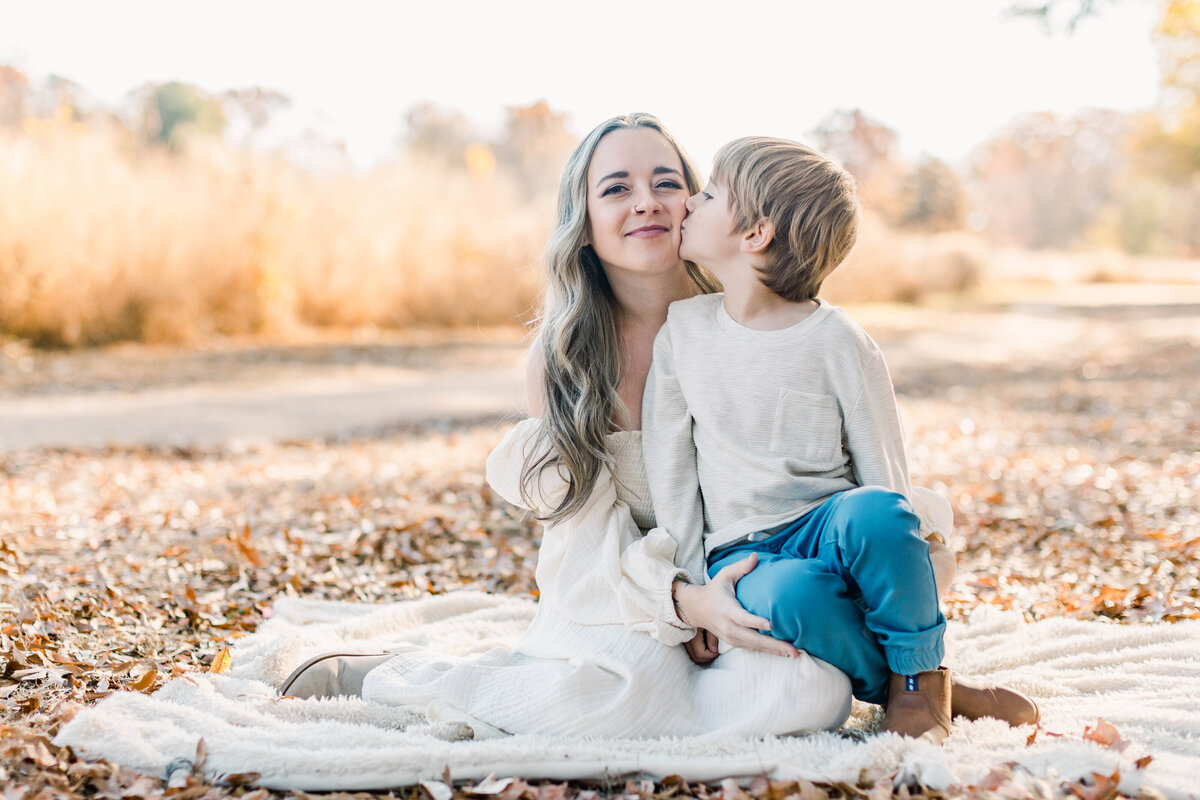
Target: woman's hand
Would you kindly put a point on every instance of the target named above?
(714, 608)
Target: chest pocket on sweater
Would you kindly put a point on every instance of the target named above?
(808, 428)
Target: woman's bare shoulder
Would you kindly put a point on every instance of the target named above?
(535, 372)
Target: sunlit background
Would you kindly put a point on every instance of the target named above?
(171, 172)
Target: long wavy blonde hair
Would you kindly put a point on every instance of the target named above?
(578, 333)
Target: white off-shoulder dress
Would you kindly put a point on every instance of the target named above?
(602, 656)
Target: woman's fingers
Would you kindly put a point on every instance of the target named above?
(738, 569)
(736, 625)
(748, 620)
(752, 640)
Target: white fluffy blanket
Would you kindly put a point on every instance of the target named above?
(1143, 679)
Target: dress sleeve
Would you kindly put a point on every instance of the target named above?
(937, 521)
(594, 567)
(670, 455)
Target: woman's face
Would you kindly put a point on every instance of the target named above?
(635, 202)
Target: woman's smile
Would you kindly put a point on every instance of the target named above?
(648, 231)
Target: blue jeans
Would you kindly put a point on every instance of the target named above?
(851, 583)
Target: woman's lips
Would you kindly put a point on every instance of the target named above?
(648, 232)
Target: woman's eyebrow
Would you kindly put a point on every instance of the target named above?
(621, 174)
(625, 174)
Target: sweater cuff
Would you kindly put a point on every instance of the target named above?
(645, 592)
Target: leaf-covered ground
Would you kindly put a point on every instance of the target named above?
(1072, 468)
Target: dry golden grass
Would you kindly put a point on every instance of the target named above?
(101, 241)
(887, 265)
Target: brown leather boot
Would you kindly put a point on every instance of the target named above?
(919, 705)
(974, 699)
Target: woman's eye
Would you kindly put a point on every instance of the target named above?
(669, 185)
(614, 189)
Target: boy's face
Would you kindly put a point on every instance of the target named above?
(707, 231)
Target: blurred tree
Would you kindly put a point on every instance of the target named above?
(166, 110)
(1043, 180)
(867, 149)
(534, 146)
(14, 95)
(1155, 207)
(1178, 38)
(438, 133)
(1171, 143)
(931, 197)
(864, 146)
(1168, 145)
(1056, 14)
(250, 110)
(59, 97)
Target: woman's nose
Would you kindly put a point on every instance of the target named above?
(646, 203)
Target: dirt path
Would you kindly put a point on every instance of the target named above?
(251, 394)
(248, 393)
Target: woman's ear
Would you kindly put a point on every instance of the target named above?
(756, 238)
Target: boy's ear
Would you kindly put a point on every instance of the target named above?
(756, 238)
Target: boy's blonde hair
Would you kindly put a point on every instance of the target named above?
(809, 199)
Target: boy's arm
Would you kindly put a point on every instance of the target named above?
(876, 443)
(873, 435)
(671, 466)
(670, 456)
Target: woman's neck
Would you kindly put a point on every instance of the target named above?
(643, 299)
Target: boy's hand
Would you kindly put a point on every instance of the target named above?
(714, 607)
(701, 648)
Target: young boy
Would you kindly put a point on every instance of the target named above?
(772, 441)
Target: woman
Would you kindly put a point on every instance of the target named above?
(601, 656)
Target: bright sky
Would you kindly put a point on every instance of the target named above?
(944, 73)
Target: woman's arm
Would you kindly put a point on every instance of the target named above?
(594, 567)
(535, 379)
